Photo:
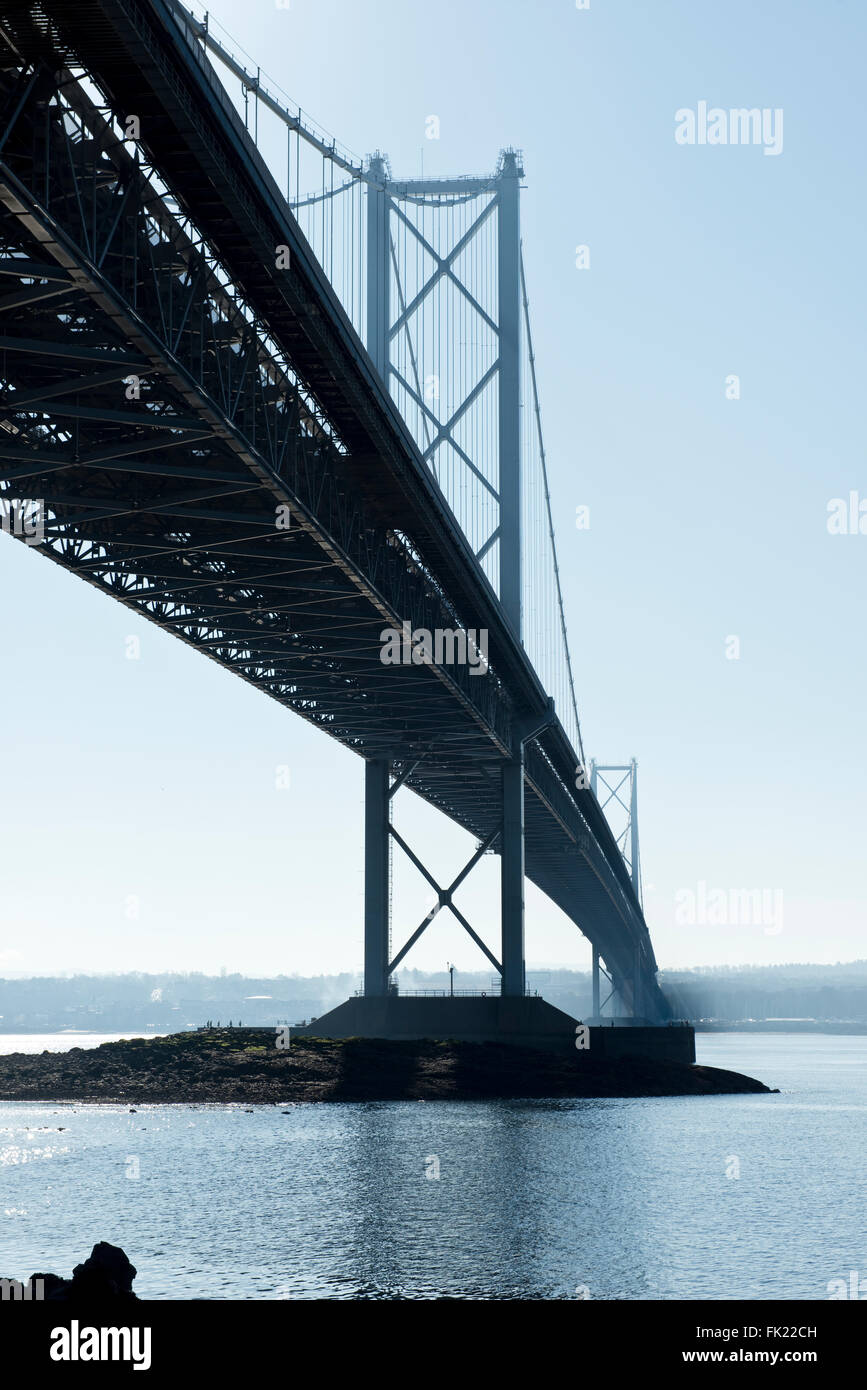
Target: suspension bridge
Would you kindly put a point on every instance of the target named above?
(287, 413)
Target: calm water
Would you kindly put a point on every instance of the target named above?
(534, 1199)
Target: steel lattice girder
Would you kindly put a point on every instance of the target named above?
(175, 514)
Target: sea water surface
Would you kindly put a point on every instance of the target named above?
(729, 1197)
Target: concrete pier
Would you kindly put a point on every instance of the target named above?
(523, 1021)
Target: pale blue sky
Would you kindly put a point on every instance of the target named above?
(156, 778)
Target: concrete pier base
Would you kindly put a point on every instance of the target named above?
(521, 1021)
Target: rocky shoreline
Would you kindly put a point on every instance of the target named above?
(245, 1066)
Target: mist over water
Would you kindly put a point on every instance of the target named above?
(634, 1199)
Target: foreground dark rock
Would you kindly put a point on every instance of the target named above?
(245, 1065)
(105, 1277)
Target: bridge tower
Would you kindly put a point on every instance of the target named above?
(615, 786)
(386, 321)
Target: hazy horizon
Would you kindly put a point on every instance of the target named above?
(402, 974)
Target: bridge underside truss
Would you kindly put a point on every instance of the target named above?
(191, 466)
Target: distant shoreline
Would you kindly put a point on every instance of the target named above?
(840, 1028)
(792, 1025)
(82, 1033)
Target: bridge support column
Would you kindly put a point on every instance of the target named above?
(512, 876)
(595, 983)
(377, 907)
(509, 423)
(378, 267)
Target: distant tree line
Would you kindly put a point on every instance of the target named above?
(832, 993)
(166, 1002)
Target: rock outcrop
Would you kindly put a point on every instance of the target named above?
(246, 1066)
(104, 1277)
